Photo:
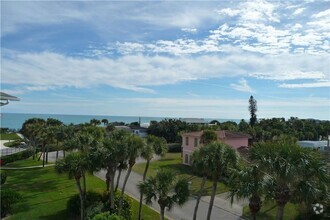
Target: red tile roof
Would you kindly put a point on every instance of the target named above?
(222, 134)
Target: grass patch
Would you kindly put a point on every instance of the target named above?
(45, 193)
(25, 163)
(11, 136)
(14, 143)
(173, 161)
(269, 209)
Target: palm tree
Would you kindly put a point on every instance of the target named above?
(50, 135)
(42, 139)
(200, 163)
(123, 158)
(200, 167)
(32, 131)
(154, 145)
(105, 121)
(165, 189)
(219, 159)
(76, 165)
(111, 152)
(249, 182)
(135, 145)
(59, 136)
(291, 168)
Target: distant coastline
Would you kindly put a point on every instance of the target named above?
(15, 120)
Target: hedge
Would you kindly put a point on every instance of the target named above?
(17, 156)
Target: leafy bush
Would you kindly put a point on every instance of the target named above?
(94, 209)
(17, 156)
(73, 204)
(107, 216)
(3, 177)
(8, 199)
(15, 143)
(98, 202)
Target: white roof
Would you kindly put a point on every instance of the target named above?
(312, 144)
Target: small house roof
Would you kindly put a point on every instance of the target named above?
(222, 134)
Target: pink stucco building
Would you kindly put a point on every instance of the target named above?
(191, 141)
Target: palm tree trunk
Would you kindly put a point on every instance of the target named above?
(118, 178)
(162, 213)
(43, 156)
(112, 189)
(82, 206)
(47, 154)
(214, 189)
(56, 150)
(126, 179)
(146, 170)
(107, 180)
(40, 153)
(33, 147)
(141, 194)
(123, 189)
(280, 212)
(199, 197)
(84, 184)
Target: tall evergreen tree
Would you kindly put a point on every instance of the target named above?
(253, 109)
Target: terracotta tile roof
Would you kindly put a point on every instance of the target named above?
(234, 134)
(222, 134)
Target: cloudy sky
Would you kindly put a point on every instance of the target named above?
(167, 58)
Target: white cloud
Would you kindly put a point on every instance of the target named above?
(242, 86)
(290, 75)
(298, 11)
(38, 71)
(306, 85)
(325, 13)
(153, 14)
(189, 30)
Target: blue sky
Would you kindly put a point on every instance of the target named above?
(167, 58)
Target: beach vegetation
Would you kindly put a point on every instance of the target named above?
(165, 189)
(154, 146)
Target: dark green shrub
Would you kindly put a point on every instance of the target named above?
(108, 216)
(126, 206)
(93, 204)
(3, 177)
(94, 209)
(17, 156)
(73, 204)
(8, 199)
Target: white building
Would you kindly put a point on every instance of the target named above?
(318, 145)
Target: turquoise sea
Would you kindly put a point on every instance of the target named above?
(15, 120)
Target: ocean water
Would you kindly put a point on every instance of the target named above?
(15, 120)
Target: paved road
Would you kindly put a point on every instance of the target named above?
(179, 213)
(222, 208)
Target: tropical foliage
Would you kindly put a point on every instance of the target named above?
(295, 173)
(165, 189)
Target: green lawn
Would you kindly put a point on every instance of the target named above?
(173, 161)
(11, 136)
(25, 163)
(268, 211)
(45, 193)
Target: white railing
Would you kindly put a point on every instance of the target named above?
(11, 150)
